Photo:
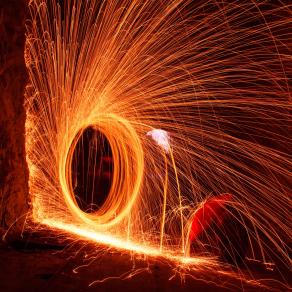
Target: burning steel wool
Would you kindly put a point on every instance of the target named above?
(163, 127)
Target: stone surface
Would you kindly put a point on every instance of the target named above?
(41, 264)
(13, 79)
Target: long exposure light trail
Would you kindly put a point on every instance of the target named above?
(130, 246)
(142, 114)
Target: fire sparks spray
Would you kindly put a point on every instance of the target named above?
(157, 108)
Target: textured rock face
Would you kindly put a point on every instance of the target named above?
(13, 78)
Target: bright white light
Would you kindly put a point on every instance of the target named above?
(161, 137)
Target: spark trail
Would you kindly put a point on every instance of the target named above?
(214, 77)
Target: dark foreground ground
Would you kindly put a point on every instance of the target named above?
(46, 265)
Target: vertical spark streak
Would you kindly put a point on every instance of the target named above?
(180, 203)
(165, 190)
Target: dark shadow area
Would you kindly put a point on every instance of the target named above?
(92, 170)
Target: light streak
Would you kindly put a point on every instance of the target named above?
(213, 77)
(111, 241)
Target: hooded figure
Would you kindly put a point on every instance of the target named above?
(217, 227)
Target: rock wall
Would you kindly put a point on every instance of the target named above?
(13, 79)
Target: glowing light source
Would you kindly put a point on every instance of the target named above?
(161, 137)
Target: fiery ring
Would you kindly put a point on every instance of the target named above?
(128, 170)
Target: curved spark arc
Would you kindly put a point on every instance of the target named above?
(215, 76)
